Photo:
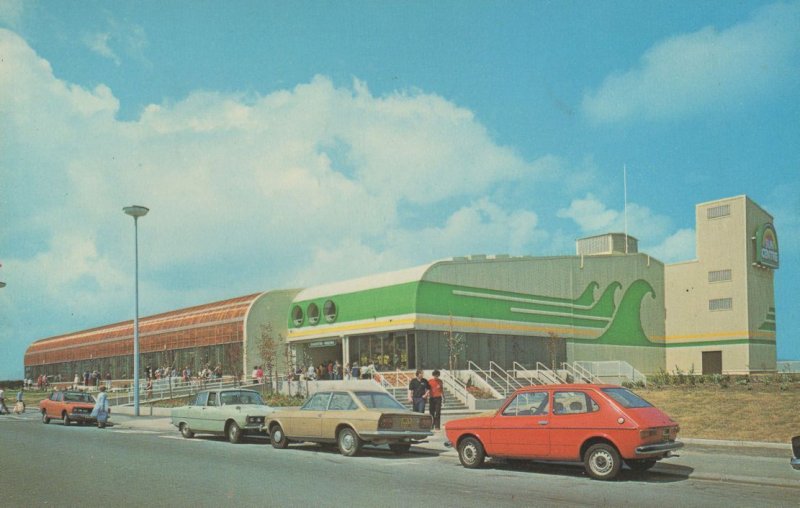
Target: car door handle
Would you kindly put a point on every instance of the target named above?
(543, 422)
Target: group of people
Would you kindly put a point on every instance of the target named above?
(431, 391)
(332, 370)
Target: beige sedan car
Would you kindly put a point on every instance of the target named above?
(351, 419)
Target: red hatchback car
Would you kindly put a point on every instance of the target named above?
(599, 425)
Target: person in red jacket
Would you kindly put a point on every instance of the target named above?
(436, 399)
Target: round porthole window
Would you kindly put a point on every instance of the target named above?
(313, 313)
(329, 310)
(297, 315)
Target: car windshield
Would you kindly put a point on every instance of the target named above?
(378, 400)
(626, 398)
(78, 397)
(240, 397)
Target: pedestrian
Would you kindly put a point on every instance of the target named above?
(101, 409)
(418, 391)
(3, 402)
(19, 408)
(355, 372)
(436, 399)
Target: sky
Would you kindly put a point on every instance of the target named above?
(290, 144)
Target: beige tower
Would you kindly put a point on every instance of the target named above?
(720, 307)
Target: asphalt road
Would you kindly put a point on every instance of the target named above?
(133, 465)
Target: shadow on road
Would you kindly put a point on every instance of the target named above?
(662, 473)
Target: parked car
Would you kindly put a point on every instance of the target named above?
(230, 412)
(796, 452)
(69, 406)
(599, 425)
(351, 419)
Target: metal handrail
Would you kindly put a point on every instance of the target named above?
(521, 368)
(548, 373)
(511, 383)
(457, 387)
(483, 376)
(578, 372)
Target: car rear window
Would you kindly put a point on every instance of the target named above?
(626, 398)
(377, 400)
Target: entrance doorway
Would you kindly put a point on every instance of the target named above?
(712, 362)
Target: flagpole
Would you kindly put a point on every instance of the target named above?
(625, 206)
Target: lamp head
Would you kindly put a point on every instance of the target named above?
(136, 211)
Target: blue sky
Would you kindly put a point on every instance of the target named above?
(287, 144)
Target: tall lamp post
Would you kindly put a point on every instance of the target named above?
(136, 212)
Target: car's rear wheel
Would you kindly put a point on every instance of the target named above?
(602, 461)
(45, 418)
(234, 433)
(641, 464)
(400, 448)
(471, 453)
(186, 431)
(278, 438)
(349, 442)
(65, 416)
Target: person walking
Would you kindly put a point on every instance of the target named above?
(436, 399)
(19, 407)
(418, 392)
(101, 408)
(3, 407)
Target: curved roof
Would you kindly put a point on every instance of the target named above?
(166, 325)
(363, 283)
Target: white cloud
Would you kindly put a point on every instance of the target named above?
(653, 231)
(679, 246)
(98, 43)
(590, 215)
(688, 73)
(289, 188)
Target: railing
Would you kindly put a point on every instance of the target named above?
(579, 374)
(550, 375)
(483, 377)
(525, 371)
(613, 370)
(541, 374)
(511, 383)
(168, 388)
(457, 387)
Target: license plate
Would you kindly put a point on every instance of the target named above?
(407, 423)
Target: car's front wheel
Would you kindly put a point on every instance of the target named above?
(471, 453)
(65, 416)
(400, 448)
(640, 464)
(602, 461)
(278, 438)
(234, 433)
(45, 418)
(186, 431)
(349, 442)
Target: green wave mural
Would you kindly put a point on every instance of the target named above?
(626, 327)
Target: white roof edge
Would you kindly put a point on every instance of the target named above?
(379, 280)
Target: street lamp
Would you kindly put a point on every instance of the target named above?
(136, 212)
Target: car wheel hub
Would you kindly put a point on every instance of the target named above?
(347, 441)
(602, 462)
(469, 453)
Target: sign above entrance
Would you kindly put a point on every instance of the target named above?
(767, 246)
(322, 343)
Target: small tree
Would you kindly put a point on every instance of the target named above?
(456, 343)
(268, 349)
(552, 348)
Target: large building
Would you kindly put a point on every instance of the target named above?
(608, 302)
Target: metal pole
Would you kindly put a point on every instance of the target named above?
(136, 320)
(136, 212)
